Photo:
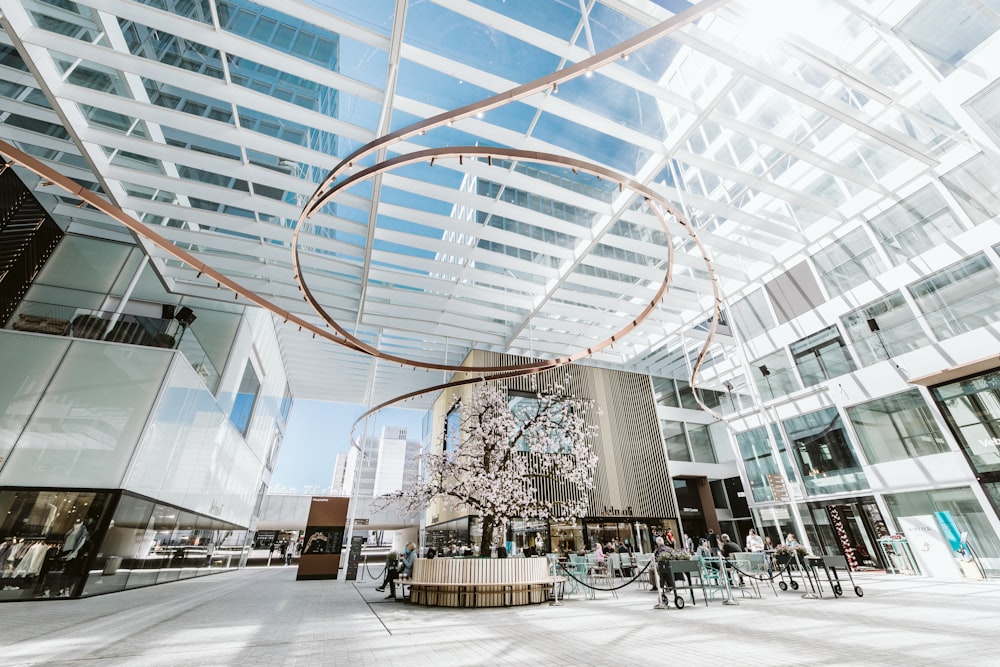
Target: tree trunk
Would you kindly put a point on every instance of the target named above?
(488, 524)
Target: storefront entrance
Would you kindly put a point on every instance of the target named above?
(849, 527)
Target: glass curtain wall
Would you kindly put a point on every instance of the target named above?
(918, 223)
(152, 543)
(962, 297)
(774, 376)
(822, 356)
(967, 513)
(824, 453)
(896, 428)
(47, 539)
(759, 463)
(883, 329)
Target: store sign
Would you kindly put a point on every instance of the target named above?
(775, 513)
(930, 547)
(778, 489)
(361, 522)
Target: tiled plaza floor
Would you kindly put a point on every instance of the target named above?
(262, 616)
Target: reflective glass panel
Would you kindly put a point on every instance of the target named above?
(918, 223)
(960, 298)
(848, 262)
(28, 363)
(822, 356)
(883, 329)
(758, 461)
(824, 453)
(972, 407)
(89, 420)
(896, 427)
(774, 376)
(673, 436)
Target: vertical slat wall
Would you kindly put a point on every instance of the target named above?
(632, 471)
(28, 236)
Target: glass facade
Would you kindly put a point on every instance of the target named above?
(896, 427)
(822, 356)
(963, 297)
(99, 421)
(47, 540)
(883, 329)
(824, 453)
(966, 512)
(918, 223)
(847, 263)
(774, 376)
(758, 462)
(972, 409)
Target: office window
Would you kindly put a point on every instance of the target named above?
(702, 449)
(948, 30)
(246, 399)
(824, 453)
(883, 329)
(673, 436)
(847, 263)
(896, 427)
(960, 298)
(752, 315)
(918, 223)
(822, 356)
(758, 460)
(665, 392)
(976, 186)
(774, 376)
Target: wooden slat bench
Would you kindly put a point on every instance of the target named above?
(481, 582)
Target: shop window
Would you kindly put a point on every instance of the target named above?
(824, 453)
(966, 512)
(960, 298)
(896, 428)
(47, 540)
(822, 356)
(246, 399)
(972, 408)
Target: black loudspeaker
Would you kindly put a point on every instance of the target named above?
(168, 311)
(763, 371)
(185, 316)
(873, 325)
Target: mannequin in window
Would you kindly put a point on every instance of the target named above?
(75, 539)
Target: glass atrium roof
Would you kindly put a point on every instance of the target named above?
(771, 125)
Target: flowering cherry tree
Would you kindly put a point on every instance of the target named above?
(528, 458)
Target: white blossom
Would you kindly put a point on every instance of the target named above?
(533, 461)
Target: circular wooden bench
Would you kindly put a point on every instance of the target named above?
(482, 582)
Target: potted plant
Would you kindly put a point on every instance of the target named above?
(675, 561)
(783, 555)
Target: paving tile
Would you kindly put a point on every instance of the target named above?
(262, 616)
